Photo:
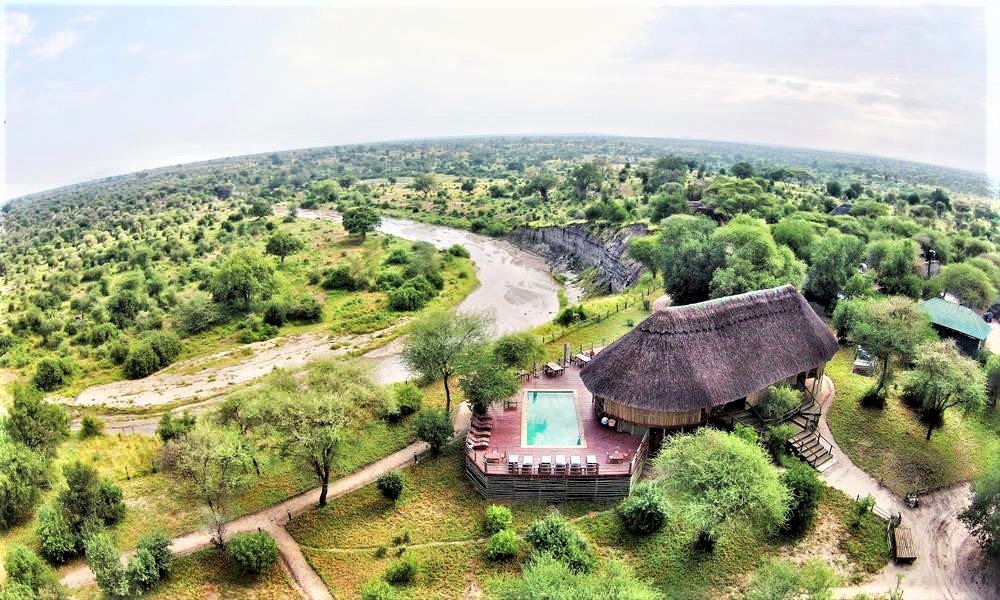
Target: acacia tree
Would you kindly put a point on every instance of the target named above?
(889, 328)
(688, 257)
(488, 382)
(967, 282)
(309, 418)
(721, 476)
(243, 277)
(982, 517)
(216, 462)
(833, 262)
(753, 261)
(283, 244)
(943, 378)
(361, 221)
(445, 343)
(424, 183)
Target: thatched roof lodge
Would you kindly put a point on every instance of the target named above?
(682, 363)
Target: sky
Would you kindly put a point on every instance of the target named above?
(91, 91)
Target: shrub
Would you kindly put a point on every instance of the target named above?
(91, 426)
(778, 400)
(102, 558)
(275, 314)
(56, 538)
(378, 589)
(644, 511)
(141, 361)
(859, 509)
(26, 568)
(403, 570)
(408, 397)
(305, 309)
(197, 313)
(151, 562)
(171, 428)
(253, 553)
(51, 374)
(458, 250)
(256, 330)
(781, 579)
(518, 350)
(390, 485)
(777, 437)
(166, 346)
(746, 433)
(502, 545)
(806, 492)
(497, 518)
(117, 352)
(398, 256)
(110, 507)
(22, 472)
(571, 314)
(554, 535)
(339, 278)
(434, 427)
(408, 297)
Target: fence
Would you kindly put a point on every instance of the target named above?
(600, 316)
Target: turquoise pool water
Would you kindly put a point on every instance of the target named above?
(551, 420)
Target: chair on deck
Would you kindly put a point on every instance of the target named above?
(574, 465)
(592, 464)
(512, 466)
(560, 464)
(545, 466)
(527, 464)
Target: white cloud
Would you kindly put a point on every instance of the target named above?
(87, 17)
(18, 28)
(135, 48)
(55, 44)
(193, 57)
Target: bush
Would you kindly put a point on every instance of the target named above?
(196, 314)
(390, 485)
(56, 538)
(26, 568)
(554, 535)
(781, 579)
(409, 398)
(171, 428)
(497, 518)
(570, 315)
(256, 330)
(434, 427)
(166, 346)
(378, 589)
(859, 509)
(806, 492)
(305, 309)
(339, 278)
(778, 401)
(458, 250)
(403, 570)
(398, 256)
(414, 294)
(51, 374)
(644, 511)
(22, 472)
(275, 314)
(110, 573)
(518, 350)
(746, 433)
(110, 507)
(502, 545)
(141, 361)
(253, 553)
(777, 438)
(91, 426)
(151, 562)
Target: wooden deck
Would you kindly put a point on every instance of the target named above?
(607, 480)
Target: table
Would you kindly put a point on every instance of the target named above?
(493, 456)
(616, 457)
(553, 368)
(582, 359)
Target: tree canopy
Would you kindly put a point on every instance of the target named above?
(942, 378)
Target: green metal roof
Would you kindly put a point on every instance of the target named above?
(956, 317)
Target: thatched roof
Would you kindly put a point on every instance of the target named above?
(710, 353)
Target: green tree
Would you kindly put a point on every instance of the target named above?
(123, 308)
(26, 568)
(753, 261)
(216, 463)
(434, 426)
(37, 424)
(244, 276)
(424, 183)
(833, 262)
(546, 578)
(89, 499)
(895, 262)
(254, 553)
(327, 190)
(518, 350)
(261, 208)
(282, 244)
(110, 573)
(541, 183)
(781, 580)
(585, 178)
(730, 197)
(742, 170)
(22, 472)
(688, 257)
(51, 374)
(806, 492)
(646, 250)
(982, 517)
(361, 221)
(834, 189)
(645, 510)
(969, 283)
(797, 234)
(310, 420)
(942, 378)
(197, 313)
(720, 476)
(554, 535)
(890, 328)
(488, 382)
(445, 343)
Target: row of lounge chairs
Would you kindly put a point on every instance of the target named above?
(526, 465)
(479, 433)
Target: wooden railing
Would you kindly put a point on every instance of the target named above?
(600, 316)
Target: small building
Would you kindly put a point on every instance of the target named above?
(957, 322)
(684, 364)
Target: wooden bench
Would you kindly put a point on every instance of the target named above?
(905, 550)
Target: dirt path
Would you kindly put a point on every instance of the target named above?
(950, 564)
(274, 518)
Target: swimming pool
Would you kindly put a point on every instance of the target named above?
(550, 420)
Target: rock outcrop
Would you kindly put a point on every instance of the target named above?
(579, 246)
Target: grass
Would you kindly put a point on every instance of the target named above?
(208, 574)
(889, 444)
(441, 515)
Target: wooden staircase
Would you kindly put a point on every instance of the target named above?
(806, 443)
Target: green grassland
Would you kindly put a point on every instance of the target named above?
(889, 443)
(438, 522)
